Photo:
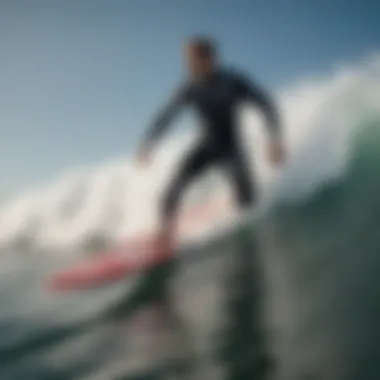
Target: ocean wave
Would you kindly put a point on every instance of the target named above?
(98, 206)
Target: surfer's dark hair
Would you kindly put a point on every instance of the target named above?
(205, 46)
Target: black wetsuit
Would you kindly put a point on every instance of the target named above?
(215, 101)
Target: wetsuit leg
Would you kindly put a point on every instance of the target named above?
(199, 159)
(240, 174)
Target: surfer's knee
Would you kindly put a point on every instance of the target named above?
(172, 196)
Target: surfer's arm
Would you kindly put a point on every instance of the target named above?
(257, 96)
(162, 121)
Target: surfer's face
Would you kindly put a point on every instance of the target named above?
(198, 65)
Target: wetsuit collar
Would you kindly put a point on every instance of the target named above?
(209, 78)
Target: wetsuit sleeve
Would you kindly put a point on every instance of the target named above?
(162, 121)
(255, 94)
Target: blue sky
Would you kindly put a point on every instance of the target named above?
(80, 80)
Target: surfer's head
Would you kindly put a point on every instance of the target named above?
(201, 57)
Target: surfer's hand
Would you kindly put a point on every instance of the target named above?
(144, 157)
(276, 151)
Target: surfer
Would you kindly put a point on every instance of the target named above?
(214, 92)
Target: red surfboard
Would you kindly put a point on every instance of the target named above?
(139, 253)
